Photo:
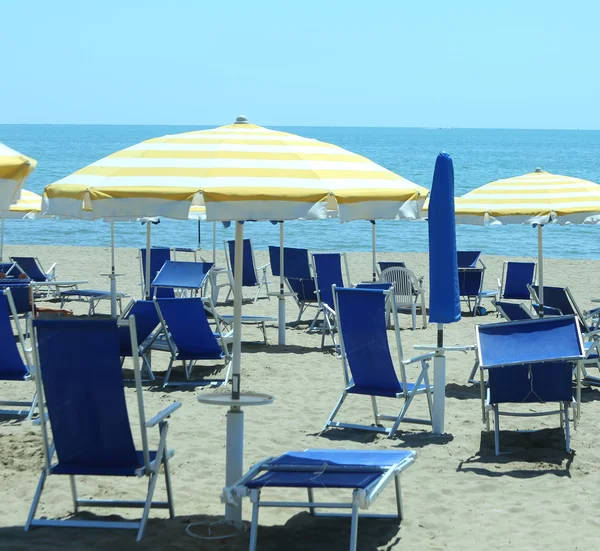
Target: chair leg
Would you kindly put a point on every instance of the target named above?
(354, 522)
(336, 409)
(399, 497)
(147, 505)
(168, 479)
(496, 429)
(423, 311)
(36, 500)
(311, 499)
(255, 498)
(34, 404)
(168, 373)
(264, 331)
(74, 493)
(413, 312)
(375, 409)
(567, 428)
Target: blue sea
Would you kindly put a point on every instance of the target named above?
(480, 156)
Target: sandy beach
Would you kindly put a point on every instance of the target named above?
(457, 495)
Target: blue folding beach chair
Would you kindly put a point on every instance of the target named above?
(147, 331)
(529, 362)
(471, 274)
(31, 266)
(364, 472)
(186, 277)
(12, 366)
(82, 398)
(9, 269)
(189, 337)
(250, 276)
(468, 259)
(327, 271)
(298, 275)
(516, 276)
(158, 257)
(512, 311)
(367, 360)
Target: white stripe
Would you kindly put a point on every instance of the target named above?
(121, 162)
(378, 210)
(301, 149)
(542, 207)
(525, 196)
(261, 210)
(242, 136)
(194, 183)
(541, 187)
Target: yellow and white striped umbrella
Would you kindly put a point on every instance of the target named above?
(238, 172)
(28, 206)
(535, 198)
(14, 169)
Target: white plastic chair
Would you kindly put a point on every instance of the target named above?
(408, 291)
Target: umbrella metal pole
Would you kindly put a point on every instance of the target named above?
(215, 243)
(199, 235)
(148, 253)
(439, 383)
(281, 298)
(2, 242)
(374, 243)
(540, 272)
(113, 276)
(235, 416)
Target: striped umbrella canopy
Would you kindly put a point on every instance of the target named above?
(28, 206)
(537, 198)
(14, 169)
(238, 172)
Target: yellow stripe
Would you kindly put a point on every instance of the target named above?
(465, 202)
(250, 155)
(230, 141)
(95, 170)
(224, 194)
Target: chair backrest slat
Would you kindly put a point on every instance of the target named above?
(12, 367)
(31, 267)
(83, 389)
(362, 325)
(518, 276)
(188, 326)
(403, 282)
(249, 278)
(328, 272)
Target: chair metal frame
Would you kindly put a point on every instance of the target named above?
(260, 281)
(150, 468)
(406, 395)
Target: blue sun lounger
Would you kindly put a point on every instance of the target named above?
(366, 473)
(12, 366)
(158, 257)
(43, 279)
(298, 275)
(513, 311)
(183, 276)
(189, 337)
(367, 360)
(250, 276)
(529, 362)
(82, 398)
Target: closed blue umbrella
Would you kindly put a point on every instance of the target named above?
(444, 299)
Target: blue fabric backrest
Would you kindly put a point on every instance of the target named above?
(19, 289)
(518, 276)
(146, 320)
(469, 282)
(386, 265)
(12, 367)
(30, 266)
(537, 340)
(249, 275)
(304, 288)
(189, 328)
(182, 275)
(545, 382)
(467, 259)
(9, 268)
(83, 386)
(361, 317)
(513, 311)
(328, 270)
(158, 257)
(295, 262)
(556, 297)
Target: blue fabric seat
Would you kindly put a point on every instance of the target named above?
(190, 337)
(367, 361)
(250, 276)
(364, 470)
(529, 362)
(511, 311)
(83, 399)
(189, 276)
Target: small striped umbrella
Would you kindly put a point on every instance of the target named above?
(14, 169)
(28, 206)
(537, 198)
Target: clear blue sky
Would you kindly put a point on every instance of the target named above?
(461, 63)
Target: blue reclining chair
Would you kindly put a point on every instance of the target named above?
(516, 276)
(158, 257)
(189, 337)
(327, 270)
(188, 277)
(146, 324)
(251, 277)
(12, 366)
(367, 361)
(529, 362)
(364, 472)
(42, 279)
(10, 269)
(471, 273)
(298, 275)
(82, 398)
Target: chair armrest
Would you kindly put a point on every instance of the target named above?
(499, 284)
(264, 267)
(161, 416)
(420, 358)
(329, 309)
